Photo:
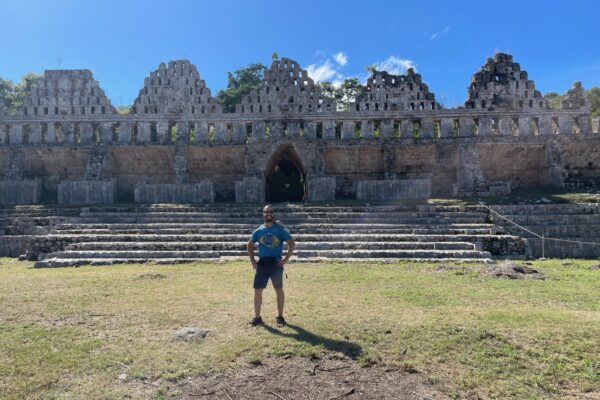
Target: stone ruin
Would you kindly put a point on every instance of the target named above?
(288, 142)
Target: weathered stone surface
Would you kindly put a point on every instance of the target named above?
(190, 334)
(401, 189)
(321, 188)
(86, 192)
(193, 193)
(20, 192)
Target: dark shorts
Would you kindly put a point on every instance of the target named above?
(268, 269)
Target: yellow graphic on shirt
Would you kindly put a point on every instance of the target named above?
(270, 240)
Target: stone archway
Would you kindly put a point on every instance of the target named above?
(285, 177)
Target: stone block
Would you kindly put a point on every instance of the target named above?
(20, 192)
(400, 189)
(250, 190)
(321, 188)
(86, 192)
(193, 193)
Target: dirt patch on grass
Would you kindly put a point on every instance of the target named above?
(292, 377)
(514, 271)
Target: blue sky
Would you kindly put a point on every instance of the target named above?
(121, 42)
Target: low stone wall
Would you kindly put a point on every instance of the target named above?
(401, 189)
(14, 246)
(250, 190)
(569, 230)
(194, 193)
(86, 192)
(20, 192)
(321, 189)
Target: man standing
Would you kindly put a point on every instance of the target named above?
(270, 237)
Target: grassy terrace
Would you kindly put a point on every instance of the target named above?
(70, 333)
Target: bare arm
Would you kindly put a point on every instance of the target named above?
(250, 248)
(290, 250)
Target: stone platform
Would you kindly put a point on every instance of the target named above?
(173, 234)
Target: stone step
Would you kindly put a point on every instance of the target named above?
(286, 215)
(78, 262)
(256, 221)
(244, 237)
(294, 231)
(339, 245)
(331, 254)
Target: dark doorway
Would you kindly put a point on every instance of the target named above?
(285, 179)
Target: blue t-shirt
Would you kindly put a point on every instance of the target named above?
(270, 240)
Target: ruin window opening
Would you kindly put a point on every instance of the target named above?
(531, 103)
(456, 128)
(338, 130)
(58, 132)
(396, 129)
(291, 99)
(153, 132)
(172, 129)
(248, 130)
(114, 130)
(575, 127)
(319, 108)
(367, 106)
(77, 134)
(284, 129)
(535, 126)
(416, 129)
(251, 108)
(211, 131)
(134, 133)
(475, 126)
(213, 109)
(6, 135)
(412, 106)
(319, 130)
(422, 106)
(301, 129)
(202, 110)
(483, 104)
(357, 107)
(44, 137)
(376, 106)
(521, 103)
(103, 110)
(193, 110)
(55, 110)
(45, 110)
(555, 126)
(494, 126)
(515, 127)
(260, 108)
(300, 108)
(433, 105)
(437, 128)
(82, 110)
(358, 130)
(24, 110)
(25, 134)
(376, 128)
(96, 130)
(385, 106)
(269, 108)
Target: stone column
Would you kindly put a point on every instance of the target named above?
(467, 127)
(293, 130)
(446, 127)
(310, 130)
(328, 129)
(565, 124)
(201, 129)
(585, 125)
(258, 130)
(347, 130)
(505, 126)
(86, 133)
(15, 132)
(125, 130)
(162, 132)
(366, 129)
(275, 130)
(35, 133)
(239, 132)
(68, 131)
(426, 128)
(485, 126)
(525, 126)
(143, 132)
(105, 133)
(183, 134)
(545, 125)
(220, 132)
(386, 128)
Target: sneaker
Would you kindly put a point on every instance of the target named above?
(280, 322)
(255, 321)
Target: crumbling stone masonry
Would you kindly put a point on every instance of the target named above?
(68, 145)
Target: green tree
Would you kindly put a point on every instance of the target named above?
(13, 93)
(343, 94)
(239, 83)
(594, 96)
(554, 100)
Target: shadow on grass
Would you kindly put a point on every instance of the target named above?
(349, 349)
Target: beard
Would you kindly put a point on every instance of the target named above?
(269, 218)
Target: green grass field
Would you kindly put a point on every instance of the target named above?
(70, 333)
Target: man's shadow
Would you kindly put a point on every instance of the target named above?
(349, 349)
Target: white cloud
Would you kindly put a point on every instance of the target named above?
(432, 37)
(395, 65)
(341, 58)
(321, 72)
(446, 30)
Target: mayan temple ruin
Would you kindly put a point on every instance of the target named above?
(286, 142)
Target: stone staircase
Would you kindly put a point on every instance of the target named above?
(173, 234)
